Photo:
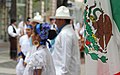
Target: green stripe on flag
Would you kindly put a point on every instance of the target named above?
(85, 1)
(115, 7)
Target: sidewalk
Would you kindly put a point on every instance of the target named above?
(7, 66)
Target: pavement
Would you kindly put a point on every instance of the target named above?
(7, 66)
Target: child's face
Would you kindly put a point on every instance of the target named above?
(29, 31)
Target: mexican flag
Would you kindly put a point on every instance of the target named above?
(102, 39)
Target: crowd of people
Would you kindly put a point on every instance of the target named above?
(43, 48)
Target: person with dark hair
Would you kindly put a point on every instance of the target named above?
(52, 24)
(25, 47)
(13, 34)
(12, 21)
(27, 23)
(28, 19)
(23, 25)
(41, 62)
(66, 55)
(53, 33)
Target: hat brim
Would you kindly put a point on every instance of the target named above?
(61, 17)
(33, 20)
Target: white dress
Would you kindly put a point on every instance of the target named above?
(41, 59)
(20, 67)
(25, 44)
(29, 53)
(25, 47)
(66, 54)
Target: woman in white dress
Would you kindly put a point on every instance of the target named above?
(41, 62)
(25, 46)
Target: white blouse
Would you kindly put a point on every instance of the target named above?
(41, 59)
(25, 44)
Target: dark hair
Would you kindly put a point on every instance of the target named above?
(28, 18)
(52, 34)
(67, 21)
(12, 21)
(51, 19)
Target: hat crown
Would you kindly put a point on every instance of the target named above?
(38, 17)
(62, 11)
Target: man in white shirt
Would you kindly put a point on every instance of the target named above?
(23, 25)
(27, 22)
(66, 55)
(13, 33)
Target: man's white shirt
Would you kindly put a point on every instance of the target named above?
(11, 31)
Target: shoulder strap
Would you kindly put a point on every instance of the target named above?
(14, 29)
(53, 26)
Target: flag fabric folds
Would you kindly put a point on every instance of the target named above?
(101, 39)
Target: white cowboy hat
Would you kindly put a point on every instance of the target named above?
(38, 18)
(62, 13)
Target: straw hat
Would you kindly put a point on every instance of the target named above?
(62, 13)
(38, 18)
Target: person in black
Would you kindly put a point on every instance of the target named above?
(13, 33)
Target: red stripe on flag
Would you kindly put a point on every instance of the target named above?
(117, 73)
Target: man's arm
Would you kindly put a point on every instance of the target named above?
(67, 48)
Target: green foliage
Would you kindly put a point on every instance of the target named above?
(86, 50)
(91, 39)
(94, 56)
(103, 59)
(96, 47)
(36, 6)
(89, 30)
(36, 0)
